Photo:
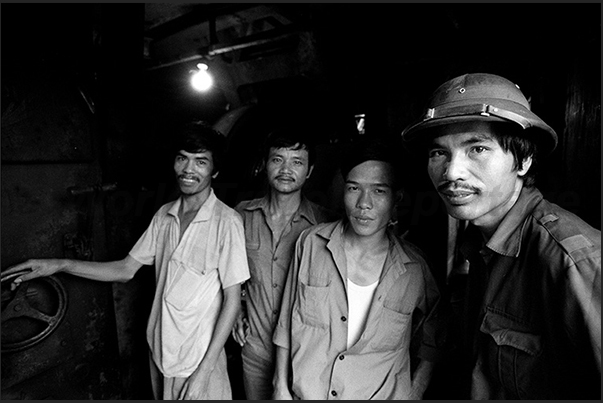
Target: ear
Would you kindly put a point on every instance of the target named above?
(260, 166)
(215, 174)
(398, 196)
(525, 166)
(310, 171)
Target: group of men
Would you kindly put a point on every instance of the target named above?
(343, 307)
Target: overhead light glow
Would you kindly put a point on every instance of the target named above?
(201, 79)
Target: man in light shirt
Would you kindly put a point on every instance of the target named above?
(356, 296)
(197, 245)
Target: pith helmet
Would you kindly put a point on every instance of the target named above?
(481, 96)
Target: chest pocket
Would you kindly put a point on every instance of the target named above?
(194, 273)
(393, 330)
(313, 301)
(513, 352)
(188, 286)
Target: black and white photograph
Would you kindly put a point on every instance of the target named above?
(300, 201)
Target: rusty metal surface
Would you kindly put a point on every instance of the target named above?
(78, 360)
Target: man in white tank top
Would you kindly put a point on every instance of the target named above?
(352, 292)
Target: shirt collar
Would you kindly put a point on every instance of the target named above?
(204, 213)
(304, 210)
(397, 256)
(506, 240)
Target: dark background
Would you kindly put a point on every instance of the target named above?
(91, 91)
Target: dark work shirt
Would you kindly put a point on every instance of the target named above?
(533, 309)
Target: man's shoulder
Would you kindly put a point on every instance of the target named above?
(321, 213)
(413, 253)
(244, 205)
(573, 234)
(323, 230)
(224, 212)
(163, 210)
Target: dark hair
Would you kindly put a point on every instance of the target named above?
(290, 137)
(198, 136)
(515, 141)
(368, 149)
(511, 138)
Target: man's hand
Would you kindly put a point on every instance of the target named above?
(281, 393)
(240, 330)
(33, 268)
(196, 386)
(420, 380)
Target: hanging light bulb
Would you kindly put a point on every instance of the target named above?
(201, 79)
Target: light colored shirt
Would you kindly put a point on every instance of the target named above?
(359, 302)
(313, 324)
(190, 276)
(268, 260)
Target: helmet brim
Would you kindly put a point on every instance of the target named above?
(422, 131)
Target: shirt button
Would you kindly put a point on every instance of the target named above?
(343, 318)
(275, 312)
(275, 258)
(334, 393)
(274, 285)
(341, 357)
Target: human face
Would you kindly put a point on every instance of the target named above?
(369, 197)
(474, 176)
(194, 172)
(287, 169)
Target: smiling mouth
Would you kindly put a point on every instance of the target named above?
(187, 181)
(363, 220)
(458, 196)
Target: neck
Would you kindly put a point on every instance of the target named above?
(281, 203)
(193, 202)
(374, 243)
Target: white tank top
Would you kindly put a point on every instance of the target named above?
(359, 301)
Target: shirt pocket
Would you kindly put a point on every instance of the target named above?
(513, 352)
(185, 288)
(313, 302)
(393, 332)
(253, 255)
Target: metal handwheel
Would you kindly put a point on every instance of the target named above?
(30, 312)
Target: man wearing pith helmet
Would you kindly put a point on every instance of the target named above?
(531, 322)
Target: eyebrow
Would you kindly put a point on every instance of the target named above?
(478, 139)
(378, 184)
(196, 158)
(281, 152)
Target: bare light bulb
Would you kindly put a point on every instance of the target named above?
(202, 80)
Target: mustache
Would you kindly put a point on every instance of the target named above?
(455, 187)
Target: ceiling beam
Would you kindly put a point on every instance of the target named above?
(198, 15)
(272, 35)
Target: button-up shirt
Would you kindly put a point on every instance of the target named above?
(313, 323)
(190, 275)
(535, 331)
(269, 259)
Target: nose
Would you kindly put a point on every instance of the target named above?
(455, 168)
(364, 200)
(286, 167)
(188, 166)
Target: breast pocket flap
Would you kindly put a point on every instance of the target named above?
(507, 332)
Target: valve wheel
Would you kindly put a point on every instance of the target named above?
(30, 312)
